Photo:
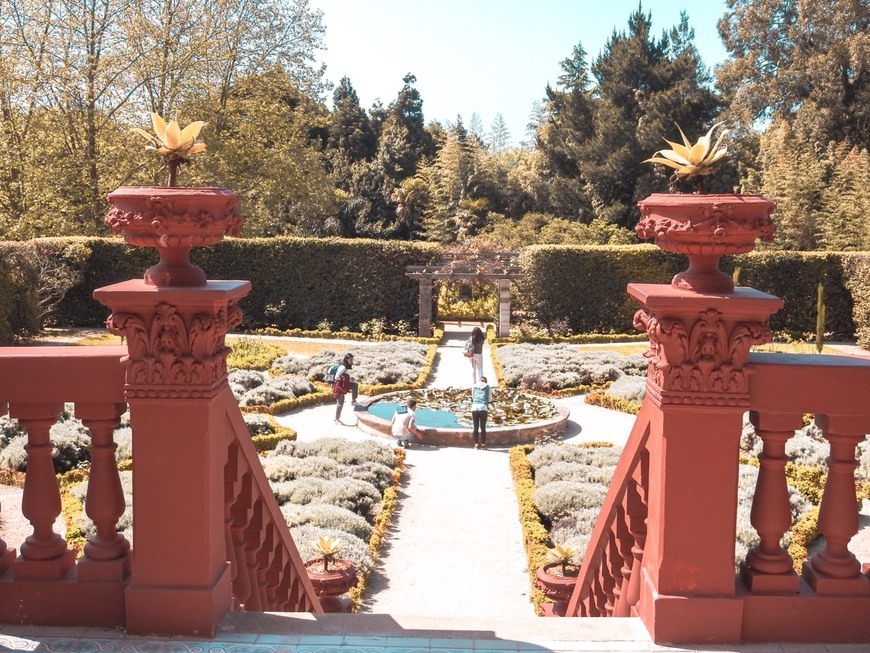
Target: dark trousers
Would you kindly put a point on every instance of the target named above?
(478, 418)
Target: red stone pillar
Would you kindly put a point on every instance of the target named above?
(699, 379)
(176, 367)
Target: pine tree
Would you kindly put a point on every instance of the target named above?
(499, 135)
(846, 202)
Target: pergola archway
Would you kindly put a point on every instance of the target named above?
(498, 267)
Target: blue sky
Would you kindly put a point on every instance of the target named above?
(484, 56)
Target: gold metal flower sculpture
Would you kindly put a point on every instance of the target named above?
(173, 142)
(328, 549)
(692, 163)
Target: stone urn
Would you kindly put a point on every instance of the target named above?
(331, 584)
(705, 228)
(174, 220)
(556, 586)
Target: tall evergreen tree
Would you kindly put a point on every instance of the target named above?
(604, 120)
(350, 132)
(499, 135)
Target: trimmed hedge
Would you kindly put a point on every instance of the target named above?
(591, 293)
(304, 283)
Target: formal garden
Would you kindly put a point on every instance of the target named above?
(346, 491)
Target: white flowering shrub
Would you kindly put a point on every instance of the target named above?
(327, 516)
(123, 437)
(352, 547)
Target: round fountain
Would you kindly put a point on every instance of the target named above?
(444, 417)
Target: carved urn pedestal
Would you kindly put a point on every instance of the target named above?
(556, 587)
(704, 228)
(330, 585)
(174, 220)
(701, 329)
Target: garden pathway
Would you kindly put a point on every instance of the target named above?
(458, 515)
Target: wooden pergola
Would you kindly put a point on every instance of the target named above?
(497, 267)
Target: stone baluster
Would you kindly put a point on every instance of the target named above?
(106, 553)
(232, 483)
(625, 543)
(240, 514)
(636, 512)
(835, 570)
(253, 542)
(769, 567)
(44, 554)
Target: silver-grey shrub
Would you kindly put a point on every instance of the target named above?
(259, 424)
(123, 438)
(352, 547)
(562, 498)
(559, 366)
(350, 493)
(377, 474)
(241, 381)
(553, 452)
(273, 390)
(383, 363)
(632, 388)
(9, 429)
(287, 468)
(573, 471)
(341, 450)
(326, 516)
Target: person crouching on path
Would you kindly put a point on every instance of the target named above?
(477, 340)
(343, 385)
(404, 425)
(480, 397)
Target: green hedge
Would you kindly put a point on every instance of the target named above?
(794, 277)
(591, 295)
(586, 285)
(301, 282)
(304, 282)
(858, 274)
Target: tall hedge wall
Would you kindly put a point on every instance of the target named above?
(298, 282)
(590, 293)
(301, 282)
(585, 285)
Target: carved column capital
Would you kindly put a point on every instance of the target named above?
(699, 344)
(175, 338)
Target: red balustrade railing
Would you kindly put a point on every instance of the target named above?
(820, 604)
(607, 585)
(43, 583)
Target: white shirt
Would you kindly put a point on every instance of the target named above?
(401, 424)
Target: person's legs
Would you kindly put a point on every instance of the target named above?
(354, 391)
(477, 366)
(482, 416)
(339, 403)
(475, 433)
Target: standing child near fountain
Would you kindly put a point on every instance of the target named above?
(480, 397)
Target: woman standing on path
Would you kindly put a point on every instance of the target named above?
(480, 396)
(477, 340)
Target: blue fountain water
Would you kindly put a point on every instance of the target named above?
(425, 417)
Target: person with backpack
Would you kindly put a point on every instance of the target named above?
(343, 384)
(475, 344)
(480, 397)
(404, 425)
